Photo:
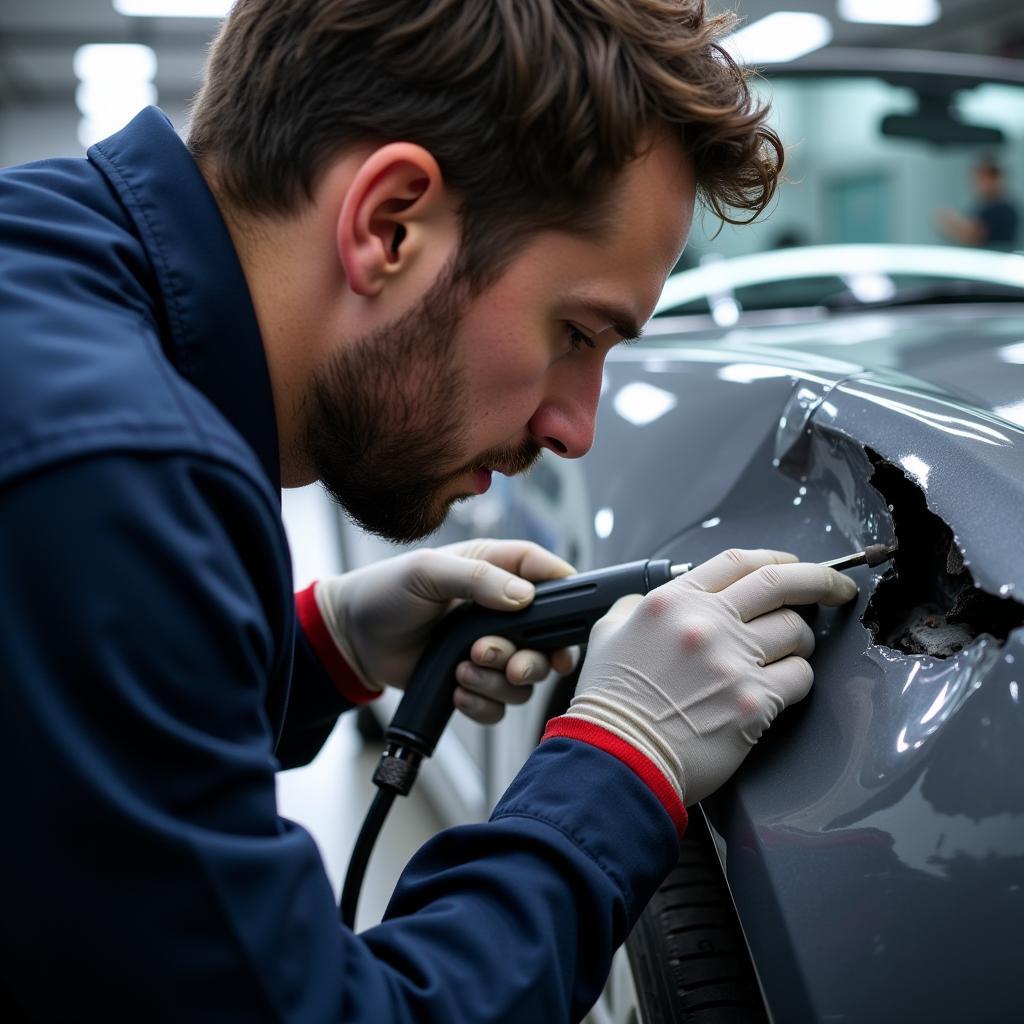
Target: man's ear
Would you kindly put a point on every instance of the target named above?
(394, 209)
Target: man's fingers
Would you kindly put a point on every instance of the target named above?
(494, 685)
(480, 709)
(790, 678)
(522, 557)
(492, 652)
(440, 576)
(527, 667)
(780, 634)
(491, 684)
(773, 586)
(495, 652)
(719, 572)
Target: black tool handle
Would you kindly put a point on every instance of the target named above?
(561, 614)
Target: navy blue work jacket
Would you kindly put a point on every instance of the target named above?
(152, 677)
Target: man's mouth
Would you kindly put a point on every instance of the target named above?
(510, 462)
(515, 460)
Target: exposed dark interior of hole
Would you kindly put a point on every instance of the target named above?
(927, 602)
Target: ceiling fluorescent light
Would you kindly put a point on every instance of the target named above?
(114, 61)
(115, 83)
(173, 8)
(782, 36)
(890, 12)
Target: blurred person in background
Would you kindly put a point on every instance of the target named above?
(994, 221)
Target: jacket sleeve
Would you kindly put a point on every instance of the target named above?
(323, 685)
(314, 702)
(148, 874)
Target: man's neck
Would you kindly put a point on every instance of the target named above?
(270, 252)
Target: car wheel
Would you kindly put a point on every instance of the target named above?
(687, 952)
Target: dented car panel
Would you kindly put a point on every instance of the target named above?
(874, 841)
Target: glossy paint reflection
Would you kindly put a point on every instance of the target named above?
(933, 691)
(794, 430)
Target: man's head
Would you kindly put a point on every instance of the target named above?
(449, 211)
(988, 179)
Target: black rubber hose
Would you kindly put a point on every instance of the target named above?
(372, 824)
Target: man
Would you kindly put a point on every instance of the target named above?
(994, 222)
(399, 245)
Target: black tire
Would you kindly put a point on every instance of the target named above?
(689, 959)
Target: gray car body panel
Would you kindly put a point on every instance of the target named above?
(874, 841)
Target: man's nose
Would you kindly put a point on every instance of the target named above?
(565, 419)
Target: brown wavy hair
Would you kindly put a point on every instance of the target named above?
(530, 107)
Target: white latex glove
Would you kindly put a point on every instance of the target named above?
(692, 674)
(381, 617)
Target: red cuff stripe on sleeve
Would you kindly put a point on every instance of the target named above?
(572, 728)
(348, 684)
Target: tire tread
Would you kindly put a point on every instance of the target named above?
(687, 952)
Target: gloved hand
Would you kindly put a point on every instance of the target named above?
(381, 617)
(692, 674)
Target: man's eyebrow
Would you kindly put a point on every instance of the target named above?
(619, 318)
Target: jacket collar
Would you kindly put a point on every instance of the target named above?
(213, 337)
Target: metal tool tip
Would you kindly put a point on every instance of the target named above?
(876, 554)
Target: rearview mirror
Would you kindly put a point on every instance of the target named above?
(934, 121)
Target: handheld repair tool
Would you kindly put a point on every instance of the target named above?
(562, 614)
(873, 554)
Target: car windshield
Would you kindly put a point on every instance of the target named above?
(879, 171)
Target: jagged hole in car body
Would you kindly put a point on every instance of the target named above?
(928, 602)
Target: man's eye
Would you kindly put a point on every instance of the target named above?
(577, 339)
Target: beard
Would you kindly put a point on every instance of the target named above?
(387, 415)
